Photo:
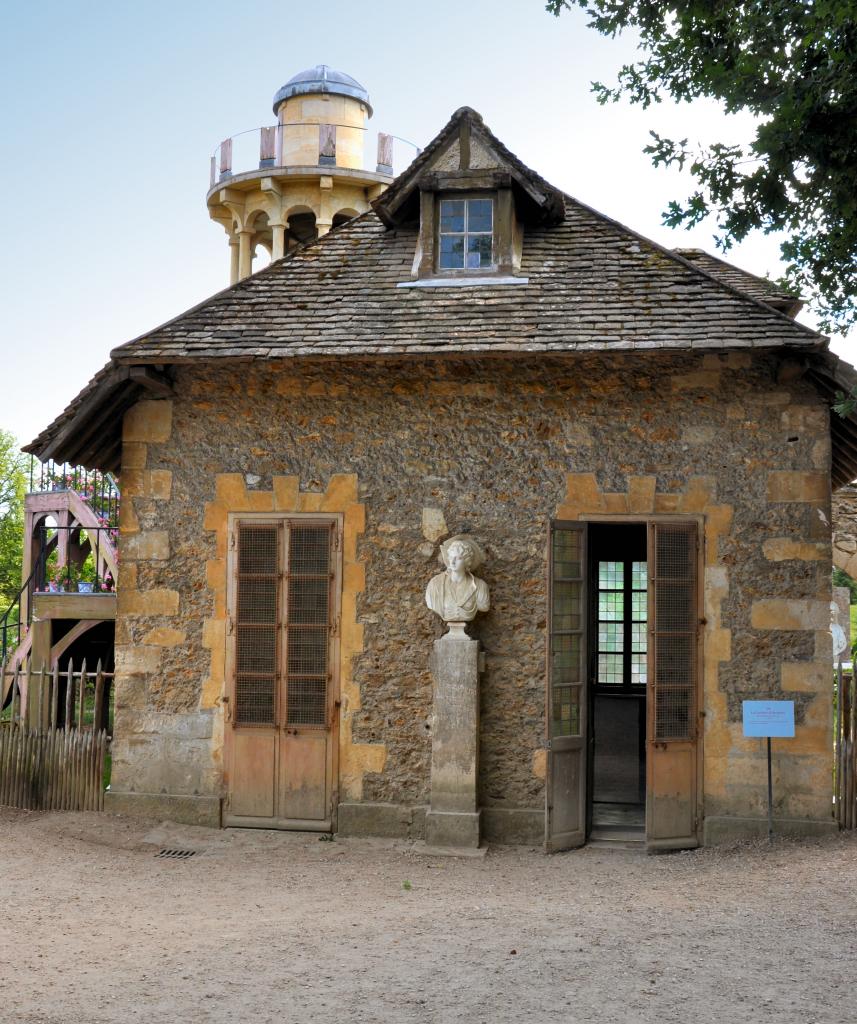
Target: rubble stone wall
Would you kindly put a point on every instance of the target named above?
(495, 447)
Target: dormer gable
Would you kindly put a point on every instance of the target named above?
(472, 200)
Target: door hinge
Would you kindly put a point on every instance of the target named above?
(335, 628)
(546, 744)
(230, 625)
(232, 540)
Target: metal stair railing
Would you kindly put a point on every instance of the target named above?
(16, 626)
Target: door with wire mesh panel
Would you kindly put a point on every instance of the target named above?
(672, 726)
(284, 649)
(567, 688)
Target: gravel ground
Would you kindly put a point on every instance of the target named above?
(281, 927)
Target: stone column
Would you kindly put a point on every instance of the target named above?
(454, 819)
(278, 245)
(245, 254)
(233, 261)
(324, 217)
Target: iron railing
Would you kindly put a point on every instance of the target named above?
(79, 565)
(82, 568)
(12, 626)
(99, 490)
(269, 146)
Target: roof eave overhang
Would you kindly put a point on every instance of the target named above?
(90, 433)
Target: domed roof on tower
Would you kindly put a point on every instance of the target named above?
(322, 78)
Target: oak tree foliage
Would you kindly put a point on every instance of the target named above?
(12, 488)
(792, 64)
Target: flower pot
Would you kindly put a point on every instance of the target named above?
(85, 588)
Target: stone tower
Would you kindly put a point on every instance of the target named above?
(308, 174)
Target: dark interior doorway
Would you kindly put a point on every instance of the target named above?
(618, 587)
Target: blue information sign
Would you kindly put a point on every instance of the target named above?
(769, 718)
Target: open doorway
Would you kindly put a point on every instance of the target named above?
(623, 674)
(618, 587)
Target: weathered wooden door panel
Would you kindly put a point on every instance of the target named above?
(283, 655)
(567, 810)
(567, 690)
(671, 818)
(303, 783)
(671, 733)
(252, 776)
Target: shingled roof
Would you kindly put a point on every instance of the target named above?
(587, 284)
(759, 288)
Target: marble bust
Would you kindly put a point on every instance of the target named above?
(457, 595)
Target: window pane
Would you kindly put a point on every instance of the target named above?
(566, 711)
(451, 215)
(566, 653)
(479, 250)
(639, 575)
(610, 606)
(452, 251)
(639, 637)
(610, 669)
(566, 606)
(566, 554)
(639, 605)
(611, 575)
(479, 214)
(611, 636)
(638, 669)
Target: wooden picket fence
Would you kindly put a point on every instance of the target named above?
(54, 738)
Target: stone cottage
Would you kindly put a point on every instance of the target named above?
(639, 440)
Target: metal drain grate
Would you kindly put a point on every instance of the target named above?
(174, 854)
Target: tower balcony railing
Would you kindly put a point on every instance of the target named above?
(302, 144)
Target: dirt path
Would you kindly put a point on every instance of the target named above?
(274, 927)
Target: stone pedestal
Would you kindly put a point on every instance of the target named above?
(454, 819)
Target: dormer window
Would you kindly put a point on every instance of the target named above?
(466, 230)
(471, 200)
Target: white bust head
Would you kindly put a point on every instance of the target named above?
(457, 595)
(461, 554)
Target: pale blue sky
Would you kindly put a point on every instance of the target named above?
(112, 109)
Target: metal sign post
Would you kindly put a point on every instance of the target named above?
(768, 718)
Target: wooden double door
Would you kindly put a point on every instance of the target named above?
(650, 649)
(283, 650)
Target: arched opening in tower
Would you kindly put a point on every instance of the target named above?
(301, 228)
(343, 217)
(262, 241)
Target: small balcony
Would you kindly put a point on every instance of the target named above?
(70, 567)
(290, 147)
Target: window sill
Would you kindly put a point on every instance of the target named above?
(463, 282)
